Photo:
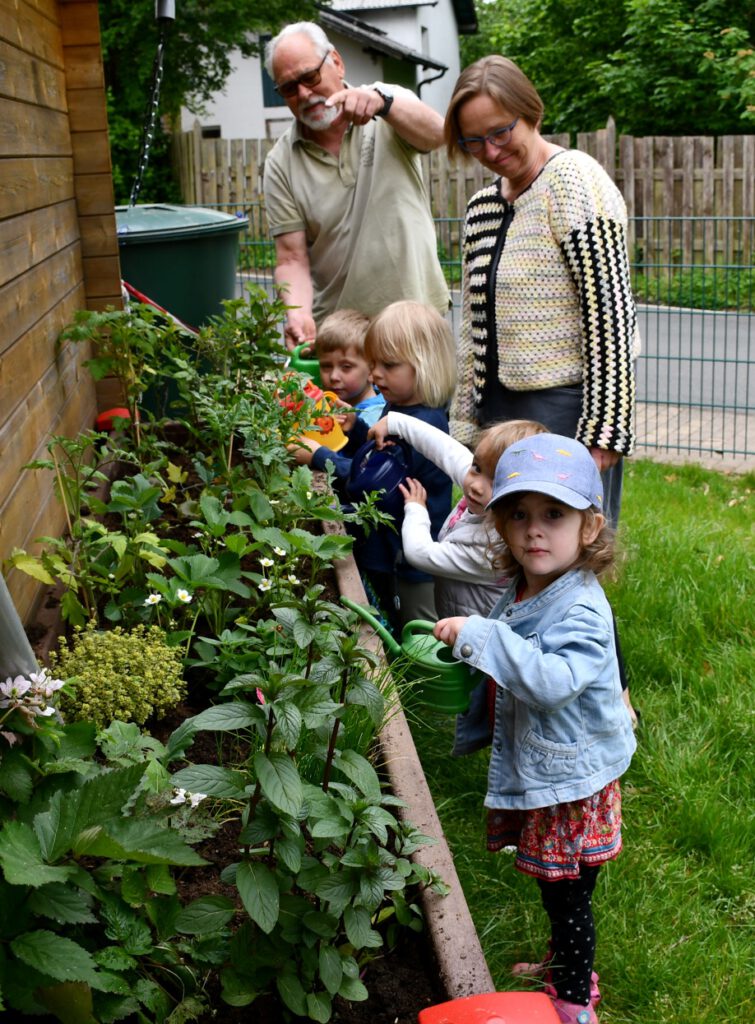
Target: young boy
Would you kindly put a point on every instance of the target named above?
(339, 350)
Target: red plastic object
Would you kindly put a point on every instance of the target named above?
(106, 420)
(493, 1008)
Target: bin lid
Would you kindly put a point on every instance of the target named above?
(153, 222)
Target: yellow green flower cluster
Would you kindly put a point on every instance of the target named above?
(131, 676)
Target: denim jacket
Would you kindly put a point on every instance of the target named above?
(562, 730)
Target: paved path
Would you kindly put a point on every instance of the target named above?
(716, 439)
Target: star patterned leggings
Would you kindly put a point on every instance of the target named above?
(568, 904)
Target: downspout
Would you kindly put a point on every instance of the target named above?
(426, 81)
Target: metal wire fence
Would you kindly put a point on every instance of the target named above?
(696, 372)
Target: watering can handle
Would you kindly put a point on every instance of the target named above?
(418, 626)
(381, 631)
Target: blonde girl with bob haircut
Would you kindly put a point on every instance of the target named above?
(416, 336)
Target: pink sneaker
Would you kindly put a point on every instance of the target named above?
(541, 970)
(573, 1013)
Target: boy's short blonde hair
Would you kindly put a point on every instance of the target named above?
(345, 329)
(494, 441)
(410, 332)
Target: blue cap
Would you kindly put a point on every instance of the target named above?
(550, 464)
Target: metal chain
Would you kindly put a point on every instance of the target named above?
(150, 121)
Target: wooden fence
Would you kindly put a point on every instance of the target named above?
(711, 179)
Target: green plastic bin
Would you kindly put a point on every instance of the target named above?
(183, 257)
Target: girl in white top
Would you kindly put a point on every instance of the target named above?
(465, 581)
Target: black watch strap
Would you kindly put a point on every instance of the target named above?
(387, 104)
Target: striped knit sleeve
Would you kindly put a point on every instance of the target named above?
(596, 256)
(463, 421)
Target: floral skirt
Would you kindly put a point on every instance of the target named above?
(551, 842)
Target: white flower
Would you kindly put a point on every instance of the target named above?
(196, 798)
(274, 501)
(293, 579)
(43, 686)
(266, 562)
(264, 585)
(309, 495)
(280, 552)
(153, 599)
(180, 797)
(111, 575)
(197, 533)
(183, 595)
(13, 689)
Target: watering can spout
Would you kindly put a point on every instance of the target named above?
(379, 628)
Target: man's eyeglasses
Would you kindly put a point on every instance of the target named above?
(499, 138)
(308, 78)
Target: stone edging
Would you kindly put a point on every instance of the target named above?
(462, 965)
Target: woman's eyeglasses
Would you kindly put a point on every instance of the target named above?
(309, 79)
(499, 138)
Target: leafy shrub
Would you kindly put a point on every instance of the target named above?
(126, 675)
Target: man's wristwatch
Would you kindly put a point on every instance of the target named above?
(386, 92)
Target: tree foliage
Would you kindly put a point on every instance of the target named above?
(659, 67)
(198, 46)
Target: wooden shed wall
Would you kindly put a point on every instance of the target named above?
(58, 249)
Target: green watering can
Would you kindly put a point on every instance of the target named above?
(438, 680)
(305, 364)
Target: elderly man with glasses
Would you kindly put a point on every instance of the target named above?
(343, 186)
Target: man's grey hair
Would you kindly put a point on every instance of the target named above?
(303, 28)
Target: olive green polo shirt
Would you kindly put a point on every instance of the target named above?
(366, 216)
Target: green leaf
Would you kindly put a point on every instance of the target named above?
(359, 930)
(31, 566)
(331, 828)
(331, 968)
(290, 851)
(114, 958)
(21, 858)
(292, 993)
(62, 903)
(93, 803)
(259, 893)
(280, 781)
(288, 721)
(353, 990)
(212, 780)
(237, 715)
(16, 778)
(337, 889)
(55, 956)
(237, 990)
(205, 915)
(319, 1006)
(359, 771)
(135, 839)
(304, 633)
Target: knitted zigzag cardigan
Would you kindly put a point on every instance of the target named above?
(553, 291)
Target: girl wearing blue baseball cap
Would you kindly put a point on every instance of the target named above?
(562, 735)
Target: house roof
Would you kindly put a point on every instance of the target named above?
(466, 15)
(375, 39)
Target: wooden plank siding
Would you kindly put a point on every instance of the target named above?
(59, 249)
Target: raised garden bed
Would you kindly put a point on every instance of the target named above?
(323, 864)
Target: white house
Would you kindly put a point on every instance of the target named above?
(414, 43)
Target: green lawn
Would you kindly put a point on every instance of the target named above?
(675, 912)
